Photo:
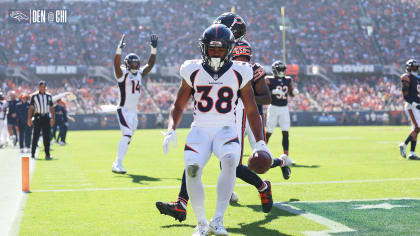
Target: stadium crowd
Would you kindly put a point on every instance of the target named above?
(319, 32)
(347, 93)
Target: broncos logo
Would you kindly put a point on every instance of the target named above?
(18, 15)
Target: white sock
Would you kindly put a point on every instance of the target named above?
(122, 149)
(225, 184)
(195, 190)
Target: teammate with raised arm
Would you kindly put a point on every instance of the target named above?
(129, 78)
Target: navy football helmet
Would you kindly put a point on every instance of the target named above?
(217, 36)
(234, 22)
(132, 63)
(242, 49)
(279, 68)
(412, 67)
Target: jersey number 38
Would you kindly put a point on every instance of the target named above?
(223, 103)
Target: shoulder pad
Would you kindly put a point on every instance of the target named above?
(405, 77)
(269, 77)
(288, 77)
(241, 63)
(187, 68)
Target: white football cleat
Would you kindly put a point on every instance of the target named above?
(234, 198)
(286, 160)
(413, 156)
(118, 168)
(403, 152)
(202, 229)
(216, 227)
(22, 151)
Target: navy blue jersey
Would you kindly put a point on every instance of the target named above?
(259, 73)
(22, 111)
(60, 114)
(11, 108)
(413, 89)
(284, 83)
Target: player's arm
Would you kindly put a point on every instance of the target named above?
(247, 96)
(117, 58)
(263, 96)
(175, 115)
(178, 107)
(292, 90)
(405, 80)
(153, 44)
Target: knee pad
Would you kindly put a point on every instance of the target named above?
(192, 170)
(229, 161)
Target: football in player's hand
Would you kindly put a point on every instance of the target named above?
(259, 162)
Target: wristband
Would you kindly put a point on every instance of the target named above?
(118, 52)
(153, 51)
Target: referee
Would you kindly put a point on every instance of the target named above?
(41, 107)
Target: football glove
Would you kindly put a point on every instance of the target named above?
(261, 146)
(295, 91)
(153, 43)
(121, 45)
(278, 91)
(168, 137)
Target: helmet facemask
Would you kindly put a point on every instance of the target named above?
(279, 70)
(216, 53)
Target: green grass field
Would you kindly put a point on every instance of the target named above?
(77, 194)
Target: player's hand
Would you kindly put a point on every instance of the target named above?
(169, 136)
(261, 146)
(29, 122)
(52, 121)
(121, 45)
(277, 91)
(154, 40)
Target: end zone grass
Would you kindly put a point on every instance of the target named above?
(77, 194)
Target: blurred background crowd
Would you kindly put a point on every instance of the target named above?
(323, 32)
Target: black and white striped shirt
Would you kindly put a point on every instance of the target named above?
(41, 103)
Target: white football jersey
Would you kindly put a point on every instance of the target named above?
(129, 85)
(215, 94)
(3, 108)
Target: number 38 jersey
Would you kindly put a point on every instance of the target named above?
(129, 85)
(283, 83)
(215, 94)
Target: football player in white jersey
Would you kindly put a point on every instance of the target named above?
(129, 78)
(3, 124)
(216, 83)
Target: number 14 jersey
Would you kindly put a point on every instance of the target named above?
(129, 85)
(215, 94)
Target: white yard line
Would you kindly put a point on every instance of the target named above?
(237, 185)
(333, 226)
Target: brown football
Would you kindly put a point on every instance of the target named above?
(259, 162)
